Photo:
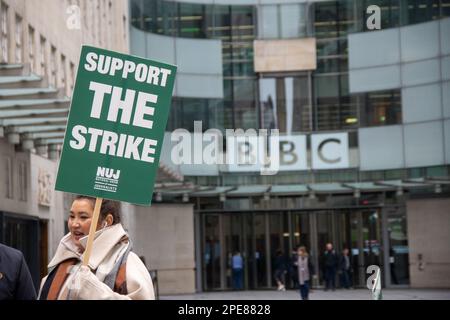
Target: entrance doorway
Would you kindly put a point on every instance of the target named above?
(258, 236)
(24, 233)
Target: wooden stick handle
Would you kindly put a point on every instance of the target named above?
(92, 229)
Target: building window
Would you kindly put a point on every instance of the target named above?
(110, 18)
(53, 67)
(9, 174)
(18, 38)
(125, 27)
(31, 48)
(380, 108)
(63, 74)
(285, 21)
(23, 185)
(43, 58)
(72, 78)
(192, 22)
(4, 32)
(285, 103)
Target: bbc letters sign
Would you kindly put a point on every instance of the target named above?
(116, 126)
(203, 153)
(328, 151)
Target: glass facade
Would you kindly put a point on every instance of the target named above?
(316, 101)
(371, 222)
(235, 26)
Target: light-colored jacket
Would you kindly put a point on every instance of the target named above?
(109, 246)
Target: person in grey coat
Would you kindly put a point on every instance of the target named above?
(15, 279)
(305, 272)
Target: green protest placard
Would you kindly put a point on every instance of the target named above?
(116, 124)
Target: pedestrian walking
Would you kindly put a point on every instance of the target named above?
(330, 263)
(345, 269)
(237, 269)
(305, 270)
(280, 268)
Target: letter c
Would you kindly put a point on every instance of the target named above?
(320, 154)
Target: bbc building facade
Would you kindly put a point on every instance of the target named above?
(364, 123)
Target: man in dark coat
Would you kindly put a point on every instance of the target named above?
(15, 278)
(330, 263)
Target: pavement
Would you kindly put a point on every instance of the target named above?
(317, 294)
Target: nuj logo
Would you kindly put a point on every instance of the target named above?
(108, 173)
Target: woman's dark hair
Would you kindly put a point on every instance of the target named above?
(108, 207)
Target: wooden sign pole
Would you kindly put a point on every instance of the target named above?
(92, 230)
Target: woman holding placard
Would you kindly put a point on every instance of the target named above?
(114, 272)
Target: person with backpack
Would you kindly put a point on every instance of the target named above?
(114, 271)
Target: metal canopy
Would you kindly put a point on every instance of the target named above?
(404, 184)
(250, 190)
(293, 189)
(368, 186)
(213, 191)
(304, 189)
(329, 188)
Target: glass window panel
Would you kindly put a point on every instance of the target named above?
(420, 72)
(419, 10)
(329, 65)
(445, 68)
(220, 114)
(422, 103)
(423, 144)
(212, 252)
(420, 41)
(269, 22)
(447, 141)
(380, 108)
(285, 104)
(245, 112)
(328, 47)
(268, 102)
(445, 39)
(364, 48)
(375, 79)
(166, 22)
(387, 141)
(191, 21)
(221, 26)
(326, 15)
(440, 171)
(347, 15)
(327, 102)
(302, 115)
(293, 21)
(136, 13)
(446, 98)
(150, 16)
(194, 110)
